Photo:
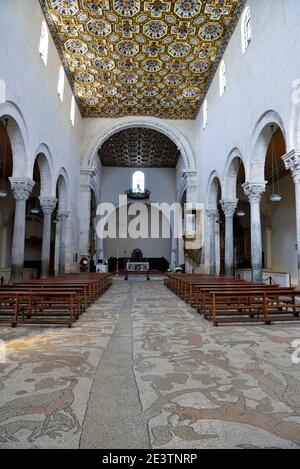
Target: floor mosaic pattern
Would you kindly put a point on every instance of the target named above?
(45, 384)
(200, 387)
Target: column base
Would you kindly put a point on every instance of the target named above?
(257, 274)
(16, 273)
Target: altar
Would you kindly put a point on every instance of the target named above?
(137, 266)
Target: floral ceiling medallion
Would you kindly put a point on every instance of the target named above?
(131, 57)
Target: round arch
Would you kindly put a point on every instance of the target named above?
(261, 137)
(44, 160)
(62, 185)
(213, 187)
(232, 167)
(151, 123)
(18, 135)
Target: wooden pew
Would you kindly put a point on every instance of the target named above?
(38, 307)
(56, 300)
(273, 305)
(225, 300)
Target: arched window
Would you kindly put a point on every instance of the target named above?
(44, 43)
(246, 29)
(72, 113)
(61, 83)
(205, 114)
(222, 78)
(138, 182)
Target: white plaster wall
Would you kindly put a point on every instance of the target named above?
(162, 184)
(32, 89)
(151, 248)
(260, 80)
(160, 181)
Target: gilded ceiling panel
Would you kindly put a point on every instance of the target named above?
(130, 57)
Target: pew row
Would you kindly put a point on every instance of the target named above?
(229, 301)
(56, 300)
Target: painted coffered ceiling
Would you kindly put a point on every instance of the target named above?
(129, 57)
(139, 148)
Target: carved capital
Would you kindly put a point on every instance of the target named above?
(21, 187)
(212, 214)
(254, 191)
(85, 179)
(48, 204)
(63, 214)
(229, 207)
(292, 163)
(88, 172)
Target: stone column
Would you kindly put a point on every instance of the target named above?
(191, 199)
(174, 246)
(85, 211)
(48, 204)
(63, 217)
(21, 188)
(191, 186)
(212, 217)
(229, 208)
(292, 163)
(254, 192)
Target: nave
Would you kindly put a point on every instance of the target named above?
(142, 369)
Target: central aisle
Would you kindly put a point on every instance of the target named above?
(114, 418)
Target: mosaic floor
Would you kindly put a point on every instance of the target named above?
(199, 386)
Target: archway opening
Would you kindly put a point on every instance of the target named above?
(220, 236)
(278, 211)
(216, 228)
(34, 226)
(7, 203)
(59, 222)
(141, 164)
(241, 221)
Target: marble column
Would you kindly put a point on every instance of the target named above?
(292, 163)
(254, 192)
(85, 211)
(63, 218)
(48, 205)
(212, 217)
(229, 208)
(191, 199)
(191, 186)
(21, 188)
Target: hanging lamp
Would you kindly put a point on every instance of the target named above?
(3, 175)
(35, 209)
(55, 219)
(275, 195)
